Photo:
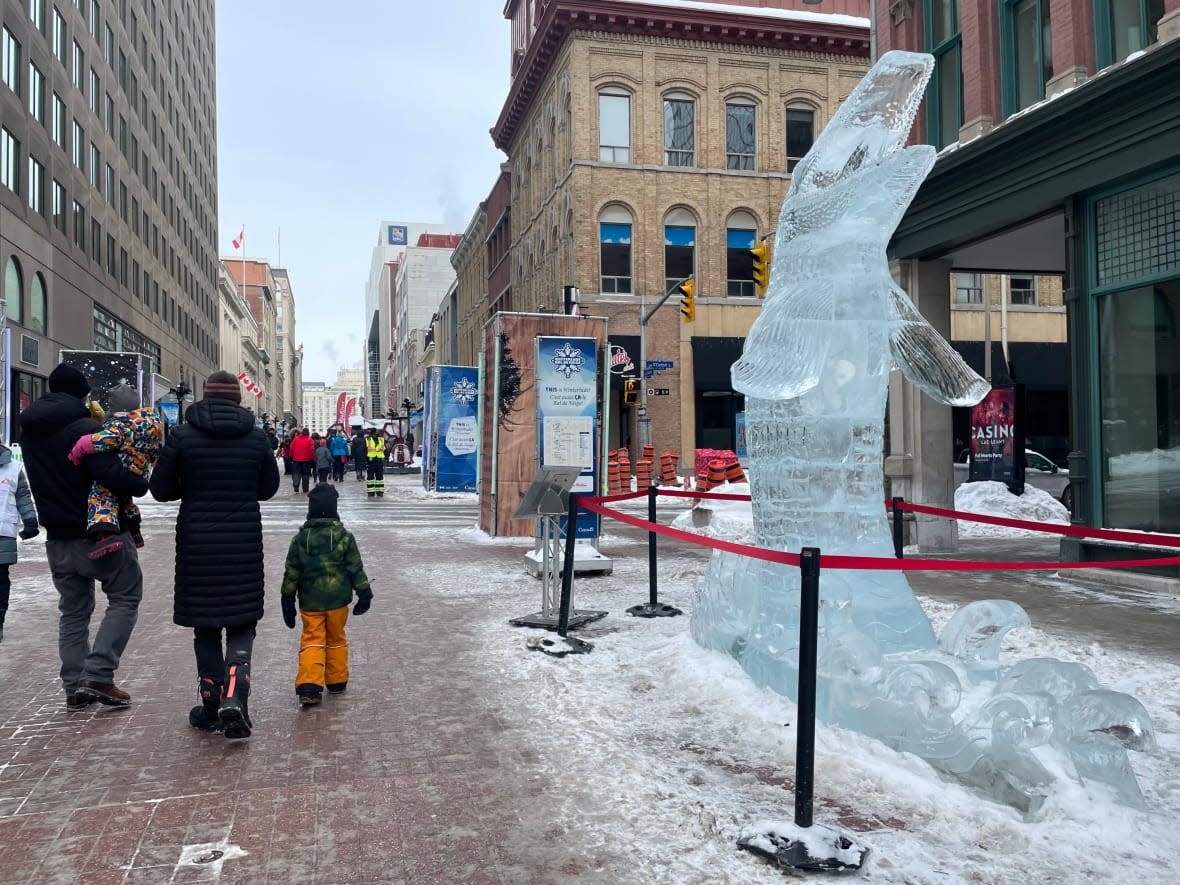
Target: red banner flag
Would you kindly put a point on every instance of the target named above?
(340, 401)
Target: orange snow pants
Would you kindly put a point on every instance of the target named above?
(323, 648)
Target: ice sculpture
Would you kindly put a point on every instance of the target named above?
(815, 372)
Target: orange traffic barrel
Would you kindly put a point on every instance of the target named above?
(716, 473)
(734, 472)
(668, 467)
(642, 474)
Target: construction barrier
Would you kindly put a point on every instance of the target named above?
(734, 472)
(642, 474)
(716, 475)
(668, 462)
(614, 478)
(625, 469)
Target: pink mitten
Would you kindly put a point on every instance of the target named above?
(83, 447)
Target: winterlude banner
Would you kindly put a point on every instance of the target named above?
(453, 420)
(993, 437)
(567, 405)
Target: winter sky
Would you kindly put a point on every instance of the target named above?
(332, 118)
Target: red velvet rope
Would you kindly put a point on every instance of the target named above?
(880, 563)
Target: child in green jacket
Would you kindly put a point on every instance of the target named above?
(324, 570)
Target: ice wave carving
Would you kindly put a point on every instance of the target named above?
(815, 372)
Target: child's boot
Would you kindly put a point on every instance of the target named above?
(205, 715)
(309, 693)
(337, 687)
(234, 712)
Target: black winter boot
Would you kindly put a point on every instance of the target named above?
(204, 716)
(234, 712)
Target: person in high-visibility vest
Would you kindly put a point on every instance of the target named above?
(375, 451)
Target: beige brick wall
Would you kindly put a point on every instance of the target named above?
(560, 188)
(1046, 321)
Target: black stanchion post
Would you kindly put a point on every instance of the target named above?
(808, 642)
(653, 608)
(567, 567)
(898, 527)
(652, 491)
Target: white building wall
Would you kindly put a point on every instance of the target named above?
(424, 278)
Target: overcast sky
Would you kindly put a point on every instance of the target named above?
(332, 117)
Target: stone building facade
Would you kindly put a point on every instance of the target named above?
(650, 147)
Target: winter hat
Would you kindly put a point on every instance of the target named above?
(67, 379)
(122, 398)
(321, 502)
(223, 385)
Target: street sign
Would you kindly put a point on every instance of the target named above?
(658, 365)
(659, 391)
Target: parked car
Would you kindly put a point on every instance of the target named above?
(1039, 472)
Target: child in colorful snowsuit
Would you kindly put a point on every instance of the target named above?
(136, 434)
(324, 570)
(18, 519)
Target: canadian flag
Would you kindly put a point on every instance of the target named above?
(240, 239)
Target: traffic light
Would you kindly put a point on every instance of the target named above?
(688, 302)
(761, 253)
(630, 391)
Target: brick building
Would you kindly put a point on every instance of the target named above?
(108, 187)
(256, 283)
(1059, 126)
(648, 143)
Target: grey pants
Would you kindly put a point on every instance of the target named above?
(74, 574)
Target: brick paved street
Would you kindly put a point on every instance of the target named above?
(392, 782)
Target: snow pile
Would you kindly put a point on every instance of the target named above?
(994, 499)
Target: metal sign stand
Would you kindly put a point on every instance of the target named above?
(547, 500)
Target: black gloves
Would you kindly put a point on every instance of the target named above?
(363, 601)
(289, 609)
(29, 531)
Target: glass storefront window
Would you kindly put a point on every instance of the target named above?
(1139, 383)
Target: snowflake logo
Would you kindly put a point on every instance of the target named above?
(568, 360)
(463, 391)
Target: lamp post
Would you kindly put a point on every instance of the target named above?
(181, 391)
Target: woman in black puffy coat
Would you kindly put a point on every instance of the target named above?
(219, 465)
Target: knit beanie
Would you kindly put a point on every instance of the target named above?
(122, 398)
(67, 379)
(223, 385)
(321, 502)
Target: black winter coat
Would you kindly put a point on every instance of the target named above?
(359, 452)
(220, 466)
(49, 429)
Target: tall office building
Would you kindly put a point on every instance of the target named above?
(108, 186)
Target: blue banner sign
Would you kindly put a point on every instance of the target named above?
(567, 409)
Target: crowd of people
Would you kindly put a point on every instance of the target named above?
(84, 469)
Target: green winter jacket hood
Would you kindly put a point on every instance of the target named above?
(324, 567)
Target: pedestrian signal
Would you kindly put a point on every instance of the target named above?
(688, 302)
(761, 253)
(630, 391)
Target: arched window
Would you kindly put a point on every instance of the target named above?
(800, 132)
(37, 304)
(679, 129)
(614, 249)
(739, 133)
(680, 237)
(741, 233)
(614, 125)
(13, 291)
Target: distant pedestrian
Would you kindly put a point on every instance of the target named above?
(360, 456)
(285, 454)
(49, 429)
(219, 465)
(323, 572)
(338, 445)
(375, 452)
(135, 434)
(302, 460)
(323, 458)
(18, 519)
